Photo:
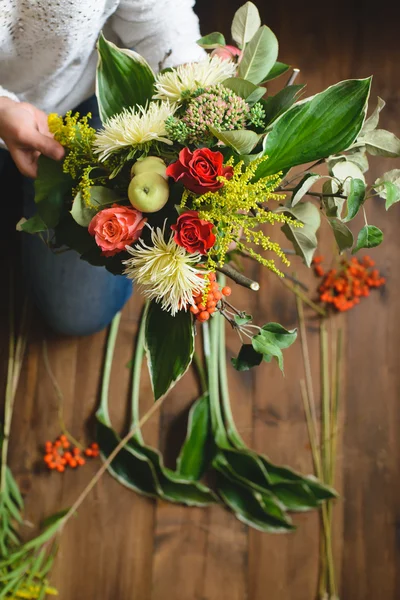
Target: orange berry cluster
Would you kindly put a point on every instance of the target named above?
(343, 288)
(204, 307)
(60, 454)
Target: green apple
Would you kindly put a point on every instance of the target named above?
(148, 192)
(150, 163)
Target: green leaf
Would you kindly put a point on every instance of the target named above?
(277, 70)
(123, 79)
(259, 56)
(343, 235)
(169, 347)
(388, 187)
(212, 40)
(303, 187)
(355, 199)
(245, 89)
(358, 156)
(53, 519)
(247, 358)
(242, 319)
(51, 186)
(100, 197)
(33, 225)
(245, 24)
(241, 140)
(304, 238)
(345, 171)
(276, 105)
(271, 340)
(198, 448)
(251, 509)
(369, 237)
(381, 143)
(316, 127)
(372, 122)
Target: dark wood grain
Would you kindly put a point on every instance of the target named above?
(122, 546)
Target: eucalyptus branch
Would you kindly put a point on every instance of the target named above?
(239, 278)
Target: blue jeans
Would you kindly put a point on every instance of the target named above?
(74, 297)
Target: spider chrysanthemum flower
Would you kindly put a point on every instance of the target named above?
(134, 127)
(173, 85)
(165, 272)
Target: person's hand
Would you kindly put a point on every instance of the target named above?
(24, 129)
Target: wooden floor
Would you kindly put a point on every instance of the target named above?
(125, 547)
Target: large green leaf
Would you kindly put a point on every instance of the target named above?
(169, 347)
(316, 127)
(198, 448)
(51, 186)
(259, 56)
(245, 24)
(123, 79)
(276, 105)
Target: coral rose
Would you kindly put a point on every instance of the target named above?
(116, 227)
(192, 233)
(227, 52)
(198, 170)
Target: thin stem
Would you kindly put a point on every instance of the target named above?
(296, 281)
(137, 371)
(200, 372)
(306, 362)
(105, 385)
(239, 278)
(59, 394)
(9, 399)
(312, 433)
(108, 461)
(303, 297)
(293, 77)
(335, 403)
(211, 353)
(326, 408)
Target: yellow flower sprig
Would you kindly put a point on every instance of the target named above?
(237, 211)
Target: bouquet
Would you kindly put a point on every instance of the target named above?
(191, 171)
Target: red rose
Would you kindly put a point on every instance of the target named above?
(192, 233)
(199, 170)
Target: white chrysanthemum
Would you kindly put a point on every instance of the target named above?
(165, 272)
(189, 77)
(134, 127)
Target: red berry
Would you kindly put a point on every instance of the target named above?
(226, 291)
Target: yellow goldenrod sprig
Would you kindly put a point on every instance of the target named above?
(236, 211)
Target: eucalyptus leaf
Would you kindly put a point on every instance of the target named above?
(241, 140)
(304, 238)
(316, 127)
(380, 142)
(169, 347)
(388, 187)
(259, 56)
(369, 237)
(355, 199)
(245, 89)
(303, 187)
(123, 79)
(343, 235)
(276, 105)
(100, 196)
(372, 122)
(212, 40)
(277, 70)
(245, 24)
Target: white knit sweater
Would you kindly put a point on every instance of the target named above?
(47, 47)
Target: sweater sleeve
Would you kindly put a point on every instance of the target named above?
(155, 28)
(7, 94)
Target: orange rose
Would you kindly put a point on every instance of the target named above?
(116, 227)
